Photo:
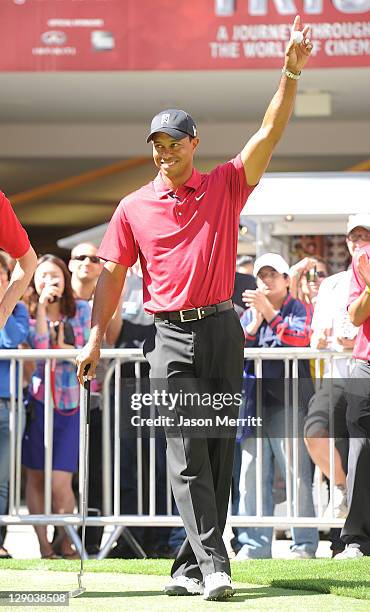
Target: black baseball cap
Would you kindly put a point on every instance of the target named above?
(177, 123)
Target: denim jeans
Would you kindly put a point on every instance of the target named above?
(4, 456)
(256, 542)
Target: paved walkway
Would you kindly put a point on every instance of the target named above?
(22, 543)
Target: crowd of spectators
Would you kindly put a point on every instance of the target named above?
(278, 305)
(275, 319)
(302, 306)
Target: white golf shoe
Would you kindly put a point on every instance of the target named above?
(301, 554)
(340, 507)
(217, 586)
(181, 585)
(350, 552)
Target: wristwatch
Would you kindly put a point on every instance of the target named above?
(291, 75)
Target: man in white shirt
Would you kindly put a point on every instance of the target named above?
(332, 329)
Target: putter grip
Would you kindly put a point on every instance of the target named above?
(87, 394)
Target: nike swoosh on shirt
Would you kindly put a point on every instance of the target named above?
(200, 197)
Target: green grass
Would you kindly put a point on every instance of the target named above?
(113, 592)
(343, 578)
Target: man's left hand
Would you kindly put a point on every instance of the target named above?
(297, 54)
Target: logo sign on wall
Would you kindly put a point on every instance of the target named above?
(53, 37)
(49, 35)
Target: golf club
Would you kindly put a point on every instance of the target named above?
(86, 408)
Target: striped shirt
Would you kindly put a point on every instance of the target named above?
(67, 389)
(289, 327)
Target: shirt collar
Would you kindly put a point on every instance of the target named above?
(287, 300)
(162, 189)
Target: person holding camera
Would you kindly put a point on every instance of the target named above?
(57, 321)
(306, 277)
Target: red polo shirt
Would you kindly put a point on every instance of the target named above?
(362, 347)
(13, 237)
(187, 243)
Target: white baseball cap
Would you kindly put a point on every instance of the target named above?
(274, 261)
(360, 220)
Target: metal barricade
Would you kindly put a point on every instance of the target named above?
(111, 515)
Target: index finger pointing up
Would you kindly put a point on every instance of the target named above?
(296, 24)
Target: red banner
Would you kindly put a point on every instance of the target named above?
(99, 35)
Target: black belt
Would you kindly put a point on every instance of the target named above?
(194, 314)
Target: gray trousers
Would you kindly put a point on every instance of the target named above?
(356, 529)
(198, 356)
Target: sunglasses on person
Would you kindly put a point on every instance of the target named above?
(93, 258)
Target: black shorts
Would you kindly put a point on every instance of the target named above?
(316, 423)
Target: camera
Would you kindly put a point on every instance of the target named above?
(311, 275)
(54, 283)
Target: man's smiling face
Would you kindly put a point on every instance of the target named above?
(174, 158)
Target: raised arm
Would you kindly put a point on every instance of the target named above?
(106, 297)
(18, 284)
(258, 150)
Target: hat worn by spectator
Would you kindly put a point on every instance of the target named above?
(360, 220)
(273, 260)
(177, 123)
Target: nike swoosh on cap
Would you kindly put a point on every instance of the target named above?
(200, 197)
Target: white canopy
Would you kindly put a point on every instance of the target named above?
(291, 204)
(308, 203)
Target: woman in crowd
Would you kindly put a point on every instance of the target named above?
(57, 321)
(12, 334)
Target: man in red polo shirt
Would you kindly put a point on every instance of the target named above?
(356, 530)
(184, 228)
(14, 240)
